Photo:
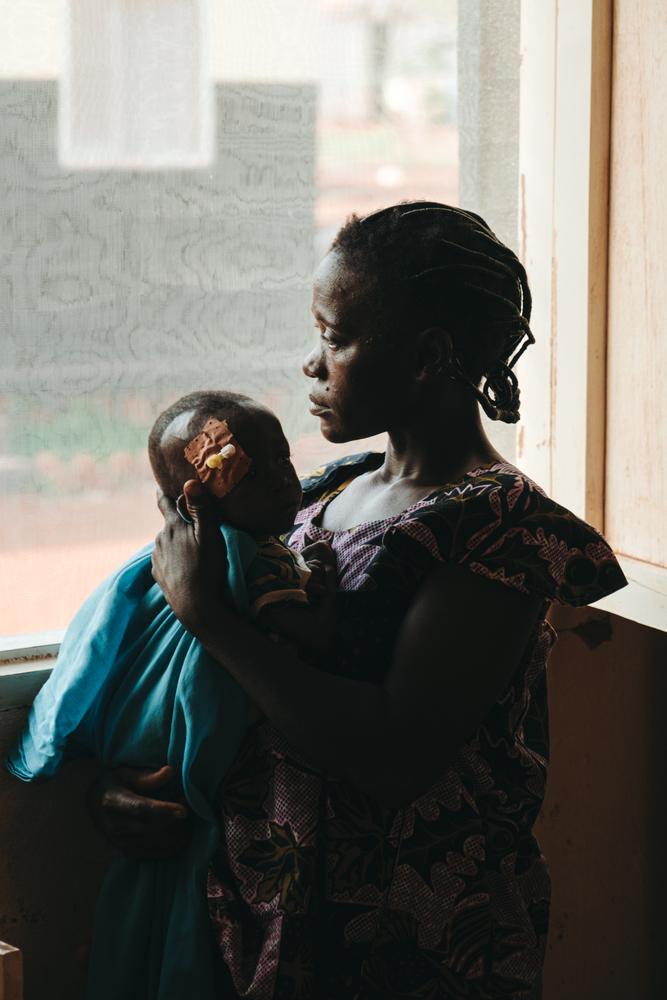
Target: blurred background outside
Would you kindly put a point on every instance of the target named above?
(121, 291)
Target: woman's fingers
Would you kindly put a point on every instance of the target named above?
(129, 795)
(199, 506)
(142, 838)
(141, 779)
(134, 822)
(139, 808)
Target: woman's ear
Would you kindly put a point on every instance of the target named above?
(433, 353)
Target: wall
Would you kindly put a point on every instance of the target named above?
(604, 824)
(51, 864)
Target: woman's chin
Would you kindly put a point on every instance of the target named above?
(331, 432)
(340, 435)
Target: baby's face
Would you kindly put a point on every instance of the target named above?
(267, 499)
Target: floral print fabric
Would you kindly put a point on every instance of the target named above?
(319, 892)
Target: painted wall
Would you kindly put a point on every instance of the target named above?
(51, 865)
(604, 825)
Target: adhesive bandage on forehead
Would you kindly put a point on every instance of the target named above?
(218, 457)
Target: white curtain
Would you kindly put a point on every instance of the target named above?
(136, 84)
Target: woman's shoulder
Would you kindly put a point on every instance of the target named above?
(319, 483)
(499, 523)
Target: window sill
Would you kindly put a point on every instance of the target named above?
(644, 600)
(25, 663)
(21, 680)
(30, 646)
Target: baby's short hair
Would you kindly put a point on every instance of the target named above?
(216, 403)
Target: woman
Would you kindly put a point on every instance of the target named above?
(377, 824)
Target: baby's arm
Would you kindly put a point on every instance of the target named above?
(309, 624)
(312, 625)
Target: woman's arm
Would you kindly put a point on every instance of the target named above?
(458, 647)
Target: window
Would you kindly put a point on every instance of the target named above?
(593, 430)
(121, 290)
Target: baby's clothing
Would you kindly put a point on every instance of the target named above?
(132, 687)
(276, 575)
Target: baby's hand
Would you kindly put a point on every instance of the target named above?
(321, 561)
(316, 588)
(312, 625)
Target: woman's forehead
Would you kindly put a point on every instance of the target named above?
(337, 286)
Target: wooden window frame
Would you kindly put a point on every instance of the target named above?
(564, 185)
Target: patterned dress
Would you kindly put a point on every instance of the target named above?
(319, 891)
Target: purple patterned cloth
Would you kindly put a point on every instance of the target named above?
(319, 892)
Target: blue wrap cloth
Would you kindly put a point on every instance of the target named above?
(132, 687)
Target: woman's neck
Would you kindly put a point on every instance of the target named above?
(435, 448)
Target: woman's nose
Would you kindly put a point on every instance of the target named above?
(312, 365)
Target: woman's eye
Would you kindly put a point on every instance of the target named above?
(329, 340)
(326, 335)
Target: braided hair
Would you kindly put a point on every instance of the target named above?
(435, 265)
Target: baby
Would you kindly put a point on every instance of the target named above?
(238, 450)
(132, 687)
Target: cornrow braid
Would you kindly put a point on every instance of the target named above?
(434, 264)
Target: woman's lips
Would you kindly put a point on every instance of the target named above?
(316, 408)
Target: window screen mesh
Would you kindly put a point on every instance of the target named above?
(120, 290)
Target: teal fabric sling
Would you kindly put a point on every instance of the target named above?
(132, 687)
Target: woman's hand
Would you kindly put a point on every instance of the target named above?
(189, 559)
(138, 825)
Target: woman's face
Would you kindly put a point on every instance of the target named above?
(359, 377)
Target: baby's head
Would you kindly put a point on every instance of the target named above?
(265, 499)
